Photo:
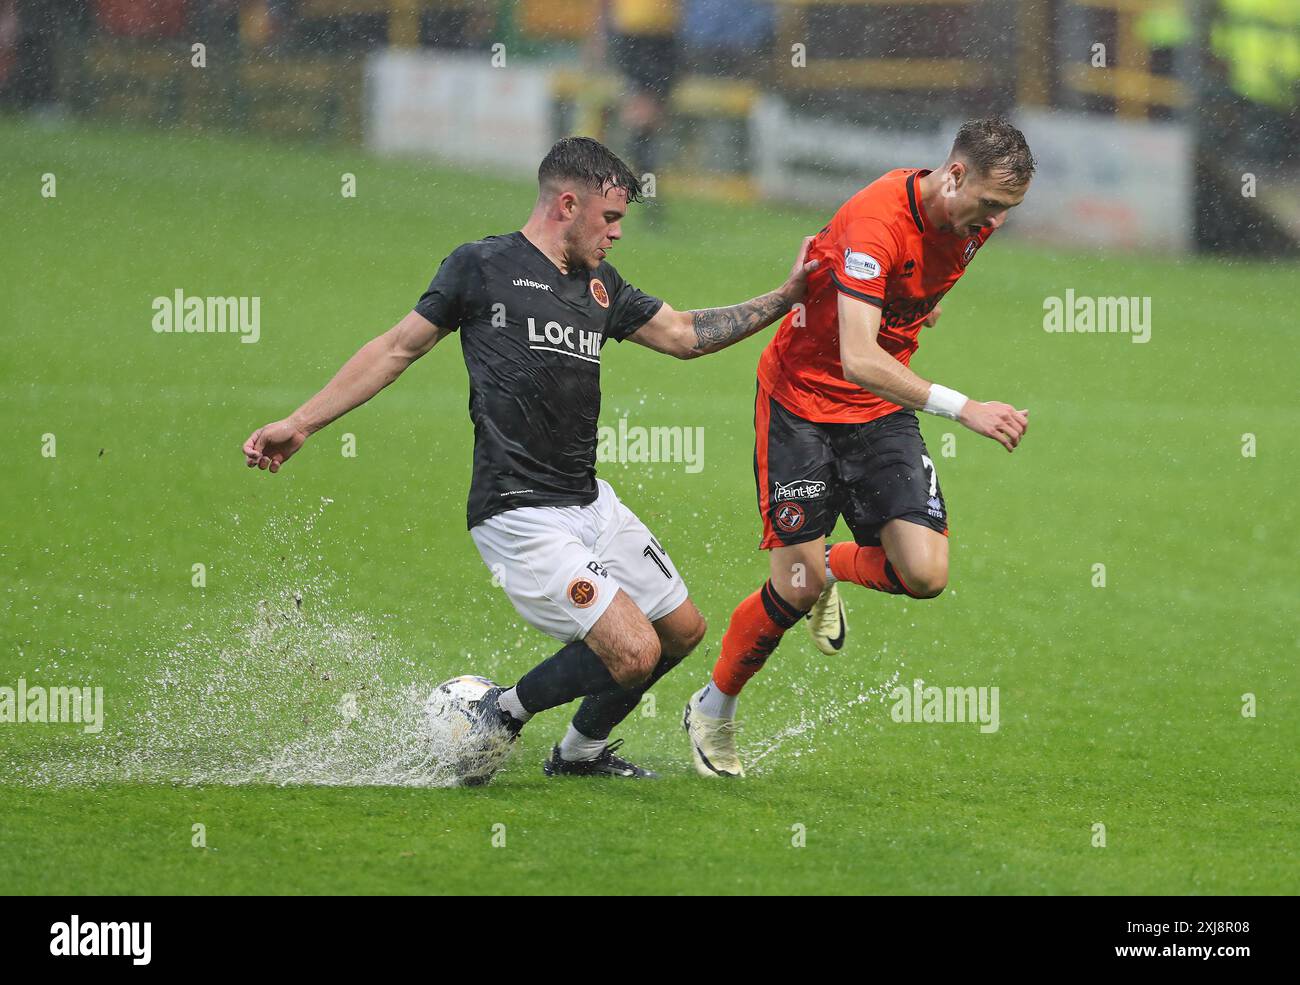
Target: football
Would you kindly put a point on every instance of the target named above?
(466, 749)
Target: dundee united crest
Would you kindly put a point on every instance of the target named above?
(790, 517)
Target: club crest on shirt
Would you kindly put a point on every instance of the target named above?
(599, 293)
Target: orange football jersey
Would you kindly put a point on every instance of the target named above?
(878, 249)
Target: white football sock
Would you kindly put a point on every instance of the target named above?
(509, 702)
(830, 575)
(576, 747)
(717, 703)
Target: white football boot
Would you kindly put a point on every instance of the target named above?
(826, 622)
(713, 741)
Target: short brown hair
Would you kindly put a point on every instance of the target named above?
(994, 145)
(589, 162)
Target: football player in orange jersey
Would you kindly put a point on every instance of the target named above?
(835, 417)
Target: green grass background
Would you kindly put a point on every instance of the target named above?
(1120, 705)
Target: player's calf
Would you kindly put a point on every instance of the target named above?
(678, 633)
(872, 567)
(805, 595)
(585, 749)
(919, 555)
(913, 560)
(798, 573)
(599, 713)
(754, 632)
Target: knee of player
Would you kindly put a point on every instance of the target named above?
(693, 636)
(642, 657)
(678, 647)
(928, 583)
(804, 596)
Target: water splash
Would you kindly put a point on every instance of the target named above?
(815, 716)
(294, 692)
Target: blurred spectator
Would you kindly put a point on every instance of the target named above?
(37, 27)
(643, 46)
(268, 23)
(1258, 42)
(8, 41)
(729, 37)
(132, 19)
(280, 16)
(1164, 28)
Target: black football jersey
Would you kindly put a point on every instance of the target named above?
(531, 337)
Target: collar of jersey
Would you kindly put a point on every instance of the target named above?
(913, 202)
(573, 288)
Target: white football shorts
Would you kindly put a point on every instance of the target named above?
(561, 565)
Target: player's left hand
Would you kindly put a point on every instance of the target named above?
(933, 316)
(797, 285)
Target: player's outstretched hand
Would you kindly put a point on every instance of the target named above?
(1001, 422)
(271, 446)
(797, 285)
(933, 316)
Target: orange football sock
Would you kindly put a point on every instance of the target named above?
(756, 628)
(866, 566)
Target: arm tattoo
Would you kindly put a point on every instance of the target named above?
(717, 328)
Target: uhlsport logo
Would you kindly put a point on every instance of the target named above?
(799, 489)
(525, 282)
(102, 939)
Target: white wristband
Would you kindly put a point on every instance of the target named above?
(944, 402)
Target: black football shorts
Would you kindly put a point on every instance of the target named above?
(809, 474)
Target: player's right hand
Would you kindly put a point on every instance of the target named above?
(1001, 422)
(271, 446)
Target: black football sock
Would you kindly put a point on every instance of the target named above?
(599, 713)
(573, 672)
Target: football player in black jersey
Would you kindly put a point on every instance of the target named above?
(534, 309)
